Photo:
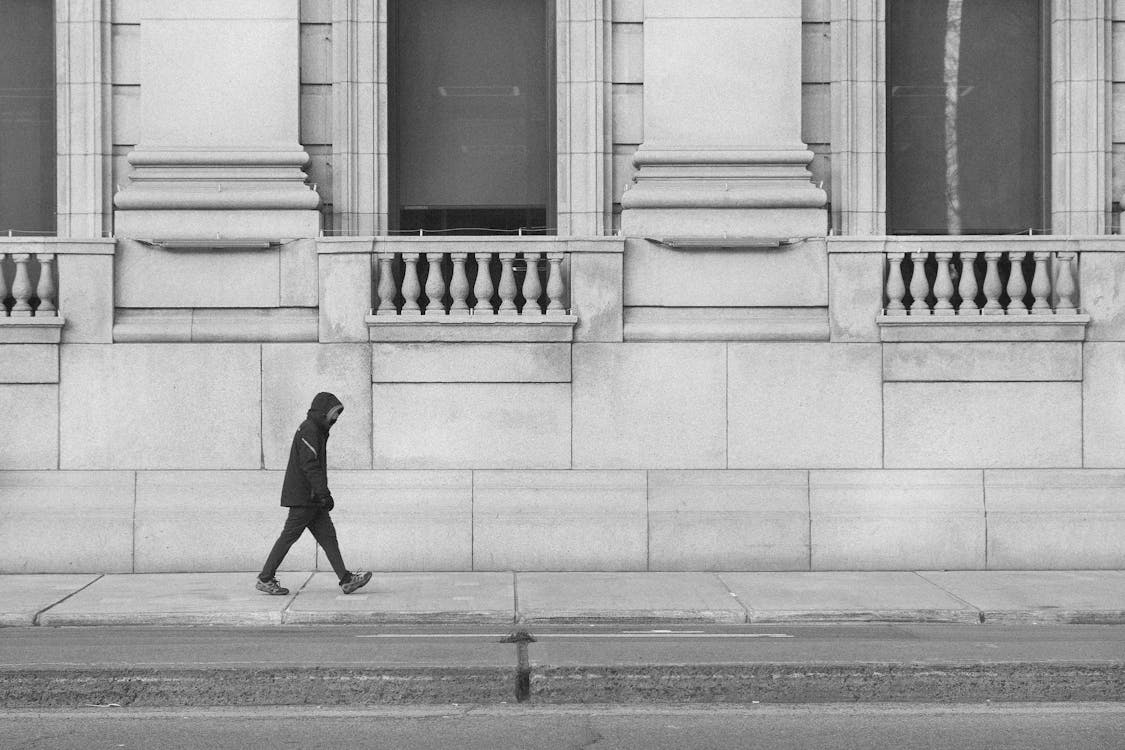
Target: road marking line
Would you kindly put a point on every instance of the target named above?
(577, 636)
(434, 635)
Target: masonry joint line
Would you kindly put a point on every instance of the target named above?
(35, 620)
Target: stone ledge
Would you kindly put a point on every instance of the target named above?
(31, 330)
(1054, 327)
(58, 245)
(213, 224)
(469, 244)
(977, 243)
(515, 328)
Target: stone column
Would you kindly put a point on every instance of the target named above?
(722, 153)
(219, 156)
(1081, 61)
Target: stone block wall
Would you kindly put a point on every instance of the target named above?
(586, 456)
(853, 453)
(718, 408)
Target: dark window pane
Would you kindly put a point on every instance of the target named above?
(27, 116)
(965, 117)
(472, 144)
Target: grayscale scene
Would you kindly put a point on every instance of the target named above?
(652, 374)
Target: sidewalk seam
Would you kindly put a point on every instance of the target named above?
(970, 605)
(472, 519)
(808, 507)
(648, 520)
(133, 557)
(35, 619)
(736, 597)
(984, 507)
(285, 609)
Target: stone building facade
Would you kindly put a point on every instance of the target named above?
(729, 285)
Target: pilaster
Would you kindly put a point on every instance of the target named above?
(359, 116)
(82, 59)
(859, 141)
(1080, 87)
(584, 60)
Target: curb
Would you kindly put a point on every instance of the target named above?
(1044, 615)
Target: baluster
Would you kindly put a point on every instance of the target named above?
(3, 288)
(896, 287)
(459, 285)
(943, 285)
(532, 287)
(1017, 286)
(967, 287)
(919, 287)
(507, 284)
(992, 285)
(556, 285)
(435, 285)
(21, 287)
(411, 287)
(46, 290)
(386, 289)
(1064, 284)
(483, 287)
(1041, 285)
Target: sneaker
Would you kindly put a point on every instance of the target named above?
(355, 581)
(271, 587)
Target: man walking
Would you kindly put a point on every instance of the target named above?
(305, 492)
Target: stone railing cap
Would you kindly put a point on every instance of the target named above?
(59, 245)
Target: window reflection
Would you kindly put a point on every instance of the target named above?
(27, 117)
(471, 141)
(965, 117)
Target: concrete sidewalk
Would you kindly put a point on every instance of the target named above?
(503, 598)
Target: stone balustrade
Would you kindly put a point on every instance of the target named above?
(527, 284)
(975, 282)
(27, 286)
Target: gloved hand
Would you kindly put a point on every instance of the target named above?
(329, 503)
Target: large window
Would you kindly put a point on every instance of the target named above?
(966, 117)
(471, 118)
(27, 117)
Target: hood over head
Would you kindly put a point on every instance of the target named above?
(324, 406)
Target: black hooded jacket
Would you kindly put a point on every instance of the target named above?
(306, 476)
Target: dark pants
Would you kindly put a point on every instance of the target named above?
(317, 520)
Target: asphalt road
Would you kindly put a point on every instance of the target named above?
(359, 665)
(874, 727)
(363, 646)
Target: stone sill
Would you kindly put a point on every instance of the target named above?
(982, 328)
(470, 244)
(482, 328)
(58, 245)
(977, 243)
(43, 330)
